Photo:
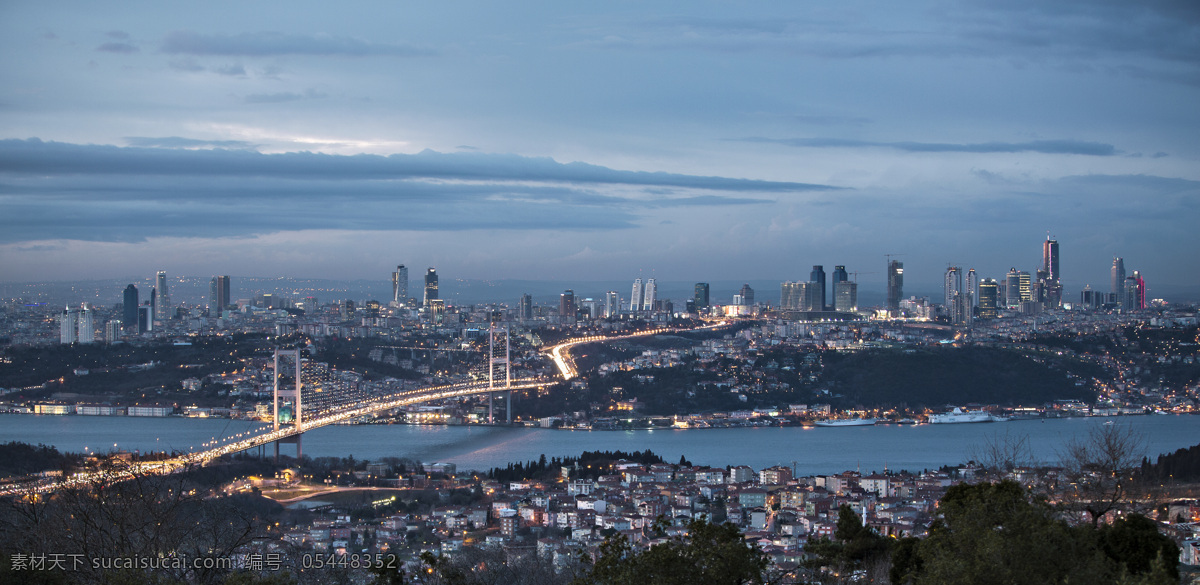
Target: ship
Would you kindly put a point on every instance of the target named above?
(846, 422)
(959, 415)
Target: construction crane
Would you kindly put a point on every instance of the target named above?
(855, 274)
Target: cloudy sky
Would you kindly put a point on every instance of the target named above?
(556, 141)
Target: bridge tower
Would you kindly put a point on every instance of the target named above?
(292, 393)
(493, 361)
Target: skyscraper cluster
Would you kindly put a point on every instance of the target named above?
(811, 295)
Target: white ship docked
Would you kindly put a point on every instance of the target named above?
(959, 415)
(846, 422)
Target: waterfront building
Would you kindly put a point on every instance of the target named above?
(895, 285)
(431, 287)
(635, 297)
(400, 286)
(162, 303)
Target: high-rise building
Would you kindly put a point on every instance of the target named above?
(895, 285)
(818, 276)
(650, 295)
(1129, 298)
(400, 286)
(1050, 259)
(566, 305)
(145, 320)
(989, 295)
(1141, 289)
(87, 325)
(431, 287)
(66, 327)
(153, 303)
(612, 304)
(162, 303)
(1018, 289)
(129, 312)
(1050, 277)
(747, 295)
(840, 274)
(791, 295)
(956, 296)
(525, 308)
(218, 295)
(635, 297)
(971, 288)
(845, 295)
(1118, 277)
(700, 296)
(112, 330)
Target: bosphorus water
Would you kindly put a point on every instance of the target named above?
(814, 450)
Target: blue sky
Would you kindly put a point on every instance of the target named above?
(554, 141)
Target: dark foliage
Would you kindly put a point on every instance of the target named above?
(18, 459)
(590, 464)
(940, 376)
(1182, 465)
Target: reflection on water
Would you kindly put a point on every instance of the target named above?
(813, 450)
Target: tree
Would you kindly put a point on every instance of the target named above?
(1101, 465)
(1136, 544)
(710, 553)
(1000, 454)
(854, 547)
(994, 534)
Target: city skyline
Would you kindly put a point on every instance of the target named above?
(578, 143)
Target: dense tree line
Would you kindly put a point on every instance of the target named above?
(941, 376)
(589, 464)
(17, 459)
(55, 365)
(1182, 465)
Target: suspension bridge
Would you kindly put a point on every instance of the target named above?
(319, 396)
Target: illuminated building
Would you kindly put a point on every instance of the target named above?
(66, 327)
(566, 305)
(1050, 278)
(845, 295)
(431, 286)
(87, 325)
(989, 295)
(612, 304)
(1118, 280)
(650, 295)
(162, 304)
(635, 297)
